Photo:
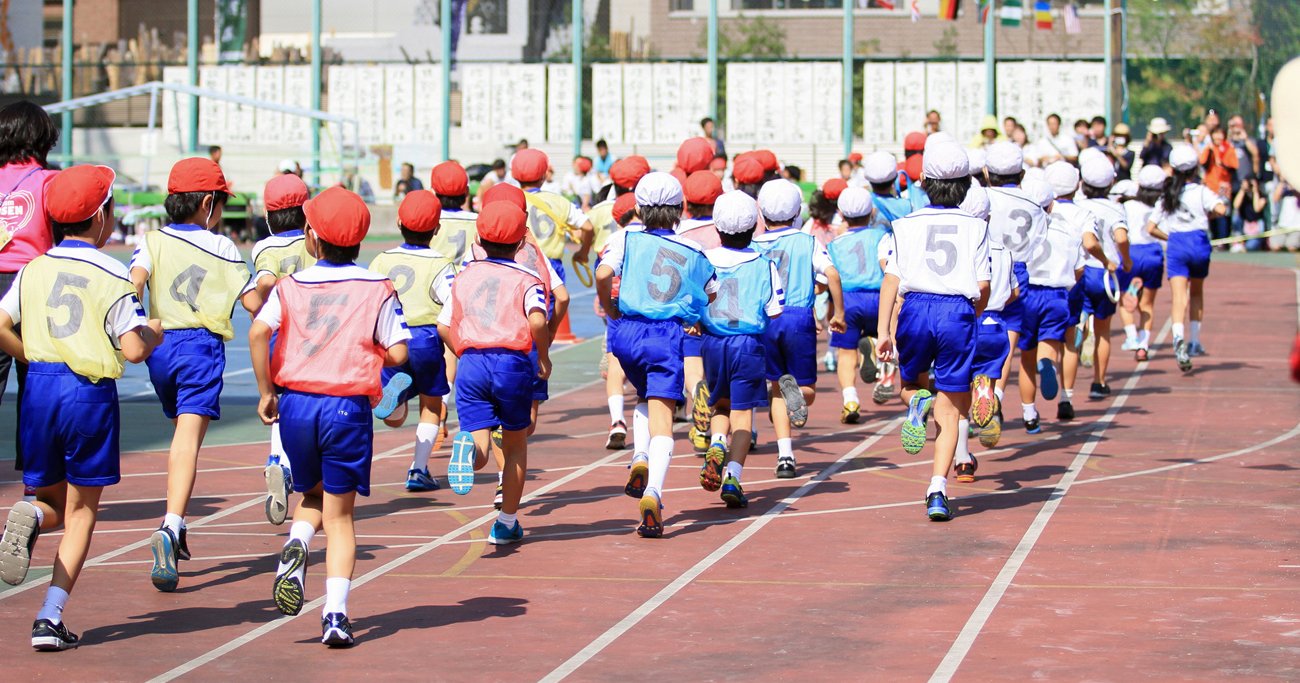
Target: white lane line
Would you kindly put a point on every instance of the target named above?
(667, 592)
(975, 623)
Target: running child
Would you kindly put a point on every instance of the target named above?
(338, 324)
(701, 190)
(859, 258)
(824, 225)
(1147, 256)
(551, 217)
(81, 321)
(624, 213)
(1111, 235)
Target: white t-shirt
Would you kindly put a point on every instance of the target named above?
(583, 185)
(1016, 221)
(940, 251)
(1136, 217)
(612, 257)
(391, 326)
(206, 240)
(272, 242)
(125, 315)
(722, 257)
(1061, 254)
(1110, 218)
(1192, 214)
(1002, 279)
(551, 273)
(1051, 149)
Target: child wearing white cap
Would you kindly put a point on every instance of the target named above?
(666, 284)
(790, 342)
(1147, 256)
(749, 296)
(1182, 219)
(881, 172)
(1111, 231)
(940, 266)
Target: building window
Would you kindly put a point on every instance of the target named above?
(788, 4)
(681, 5)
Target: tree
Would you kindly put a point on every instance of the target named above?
(748, 38)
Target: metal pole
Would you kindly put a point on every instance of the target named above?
(153, 142)
(990, 60)
(446, 29)
(713, 59)
(192, 63)
(847, 113)
(577, 77)
(1123, 60)
(1109, 60)
(65, 135)
(315, 91)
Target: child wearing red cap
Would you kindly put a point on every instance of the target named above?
(338, 325)
(423, 278)
(283, 253)
(81, 321)
(456, 224)
(195, 277)
(579, 184)
(551, 217)
(701, 190)
(610, 216)
(497, 314)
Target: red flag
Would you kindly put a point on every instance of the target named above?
(948, 9)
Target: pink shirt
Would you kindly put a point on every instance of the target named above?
(22, 214)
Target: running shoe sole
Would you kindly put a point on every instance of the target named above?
(617, 441)
(850, 417)
(786, 469)
(734, 496)
(990, 435)
(1183, 356)
(1047, 385)
(882, 394)
(288, 591)
(794, 403)
(494, 539)
(652, 520)
(460, 467)
(700, 411)
(986, 402)
(20, 532)
(421, 484)
(868, 371)
(938, 512)
(277, 494)
(392, 395)
(638, 478)
(164, 574)
(711, 473)
(913, 433)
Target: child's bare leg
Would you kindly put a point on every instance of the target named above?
(310, 507)
(1196, 300)
(846, 369)
(1028, 376)
(1147, 305)
(1001, 384)
(52, 501)
(398, 418)
(482, 446)
(779, 412)
(1070, 364)
(78, 525)
(742, 421)
(693, 369)
(514, 468)
(1101, 349)
(948, 409)
(183, 459)
(341, 541)
(532, 422)
(1178, 287)
(720, 423)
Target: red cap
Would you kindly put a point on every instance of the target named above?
(196, 174)
(628, 171)
(529, 165)
(583, 164)
(695, 155)
(912, 166)
(77, 193)
(624, 204)
(702, 187)
(285, 191)
(855, 157)
(680, 175)
(507, 193)
(338, 216)
(747, 169)
(767, 159)
(502, 222)
(420, 211)
(449, 179)
(914, 142)
(832, 188)
(718, 164)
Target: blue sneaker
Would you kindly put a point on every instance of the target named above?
(732, 494)
(420, 481)
(392, 395)
(460, 467)
(336, 630)
(936, 506)
(504, 535)
(1047, 385)
(918, 413)
(164, 574)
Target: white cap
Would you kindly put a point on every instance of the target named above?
(976, 202)
(1152, 177)
(1035, 172)
(1098, 172)
(1090, 153)
(854, 202)
(880, 167)
(1124, 188)
(1183, 158)
(1004, 158)
(945, 161)
(1038, 191)
(977, 158)
(658, 189)
(1063, 177)
(937, 139)
(1158, 126)
(735, 212)
(287, 166)
(780, 200)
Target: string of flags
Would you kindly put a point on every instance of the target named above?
(1010, 14)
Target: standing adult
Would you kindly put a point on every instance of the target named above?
(709, 130)
(27, 134)
(1156, 149)
(1219, 159)
(1057, 145)
(933, 122)
(1119, 152)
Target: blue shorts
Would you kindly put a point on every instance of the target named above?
(1075, 300)
(937, 329)
(541, 387)
(1189, 255)
(69, 428)
(186, 372)
(558, 265)
(329, 441)
(1148, 264)
(1014, 311)
(1046, 315)
(1095, 301)
(733, 369)
(692, 345)
(991, 346)
(425, 363)
(861, 313)
(790, 346)
(495, 387)
(650, 352)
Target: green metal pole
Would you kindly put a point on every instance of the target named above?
(192, 63)
(315, 92)
(577, 77)
(990, 60)
(847, 113)
(1123, 59)
(446, 29)
(713, 59)
(65, 135)
(1109, 60)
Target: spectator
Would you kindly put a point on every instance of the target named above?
(1266, 153)
(603, 160)
(846, 170)
(1097, 131)
(1009, 126)
(932, 122)
(579, 183)
(706, 125)
(1201, 136)
(793, 174)
(1156, 149)
(407, 182)
(1249, 209)
(1286, 205)
(1219, 160)
(1120, 153)
(989, 132)
(1057, 145)
(289, 167)
(1248, 153)
(1021, 139)
(1082, 138)
(214, 153)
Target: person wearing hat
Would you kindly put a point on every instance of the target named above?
(1110, 231)
(880, 170)
(749, 299)
(67, 300)
(551, 217)
(990, 132)
(422, 277)
(456, 231)
(1182, 219)
(940, 266)
(195, 276)
(623, 212)
(666, 283)
(1148, 260)
(495, 319)
(823, 222)
(1156, 149)
(859, 256)
(748, 174)
(701, 189)
(580, 184)
(338, 325)
(1117, 149)
(496, 175)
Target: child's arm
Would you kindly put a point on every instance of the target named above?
(541, 331)
(1122, 244)
(884, 322)
(983, 299)
(10, 342)
(137, 344)
(259, 347)
(1155, 231)
(605, 291)
(586, 236)
(836, 287)
(139, 276)
(1092, 245)
(396, 355)
(561, 296)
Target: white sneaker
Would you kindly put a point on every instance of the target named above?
(1130, 344)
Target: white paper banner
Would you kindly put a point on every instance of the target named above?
(476, 103)
(212, 113)
(741, 120)
(878, 103)
(559, 103)
(399, 104)
(428, 104)
(607, 102)
(638, 104)
(971, 89)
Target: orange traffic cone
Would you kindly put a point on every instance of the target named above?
(564, 335)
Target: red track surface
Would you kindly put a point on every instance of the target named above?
(1152, 541)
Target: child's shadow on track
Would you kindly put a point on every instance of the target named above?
(1017, 479)
(129, 512)
(554, 500)
(977, 503)
(184, 620)
(402, 503)
(254, 569)
(372, 628)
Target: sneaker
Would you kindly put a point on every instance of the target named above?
(392, 395)
(1098, 391)
(992, 433)
(419, 481)
(830, 361)
(936, 506)
(182, 546)
(700, 411)
(868, 370)
(753, 440)
(498, 437)
(1047, 385)
(794, 401)
(21, 531)
(164, 574)
(1130, 344)
(711, 472)
(699, 441)
(460, 467)
(918, 413)
(985, 403)
(500, 498)
(48, 636)
(1033, 427)
(849, 414)
(732, 494)
(1195, 349)
(1141, 355)
(785, 468)
(29, 493)
(882, 393)
(1182, 355)
(617, 440)
(638, 476)
(1065, 411)
(336, 630)
(652, 517)
(966, 470)
(288, 591)
(277, 490)
(504, 535)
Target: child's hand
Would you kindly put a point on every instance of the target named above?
(156, 326)
(1125, 265)
(268, 408)
(837, 323)
(693, 330)
(543, 367)
(885, 349)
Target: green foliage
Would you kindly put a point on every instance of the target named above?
(747, 38)
(946, 46)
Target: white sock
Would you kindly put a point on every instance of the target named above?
(785, 448)
(963, 441)
(1029, 411)
(641, 428)
(734, 469)
(1195, 337)
(1178, 331)
(425, 434)
(1144, 338)
(40, 514)
(52, 609)
(850, 395)
(507, 519)
(336, 595)
(174, 522)
(1131, 331)
(719, 437)
(939, 484)
(1067, 395)
(277, 445)
(302, 531)
(999, 393)
(661, 456)
(616, 408)
(501, 478)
